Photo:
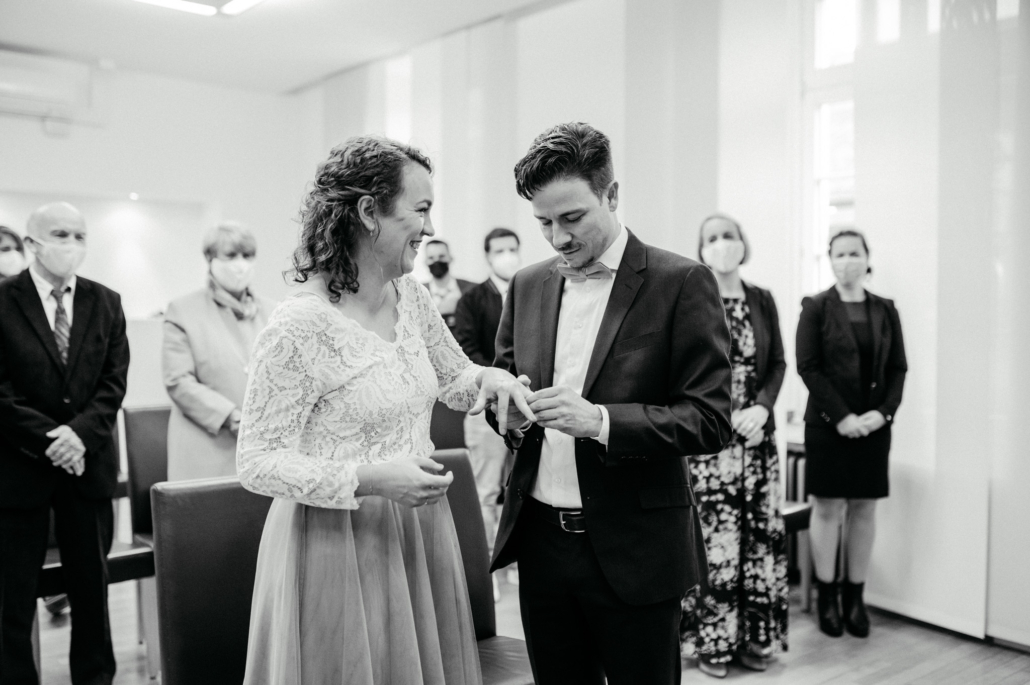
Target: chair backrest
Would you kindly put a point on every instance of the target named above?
(146, 451)
(447, 427)
(468, 523)
(206, 539)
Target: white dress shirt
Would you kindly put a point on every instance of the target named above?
(582, 308)
(501, 285)
(44, 289)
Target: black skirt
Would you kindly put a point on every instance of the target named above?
(849, 468)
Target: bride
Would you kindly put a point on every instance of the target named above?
(359, 577)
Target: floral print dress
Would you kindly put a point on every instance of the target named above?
(739, 495)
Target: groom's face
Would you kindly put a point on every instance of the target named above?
(579, 225)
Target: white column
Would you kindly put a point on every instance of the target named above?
(1008, 594)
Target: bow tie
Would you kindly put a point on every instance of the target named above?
(595, 270)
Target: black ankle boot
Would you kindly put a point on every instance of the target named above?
(856, 620)
(829, 609)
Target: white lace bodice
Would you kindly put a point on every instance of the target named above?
(326, 395)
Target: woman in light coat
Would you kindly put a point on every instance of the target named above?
(208, 336)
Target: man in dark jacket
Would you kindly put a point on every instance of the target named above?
(476, 320)
(64, 358)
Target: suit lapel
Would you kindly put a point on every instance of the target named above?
(624, 291)
(82, 306)
(761, 333)
(550, 307)
(876, 320)
(27, 298)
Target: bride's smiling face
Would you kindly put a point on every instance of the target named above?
(402, 230)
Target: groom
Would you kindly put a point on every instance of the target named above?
(627, 348)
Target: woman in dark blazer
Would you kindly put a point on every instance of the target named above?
(851, 355)
(743, 612)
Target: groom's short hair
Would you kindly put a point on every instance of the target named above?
(573, 150)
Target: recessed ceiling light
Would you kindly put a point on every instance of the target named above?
(234, 7)
(184, 6)
(133, 196)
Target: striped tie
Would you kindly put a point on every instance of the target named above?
(62, 330)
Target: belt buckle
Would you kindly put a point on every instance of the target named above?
(561, 521)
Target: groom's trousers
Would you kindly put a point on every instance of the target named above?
(577, 629)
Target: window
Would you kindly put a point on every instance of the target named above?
(834, 180)
(836, 32)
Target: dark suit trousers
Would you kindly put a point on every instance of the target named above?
(85, 530)
(577, 629)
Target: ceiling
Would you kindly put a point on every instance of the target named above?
(278, 46)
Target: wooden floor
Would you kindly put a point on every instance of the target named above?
(897, 652)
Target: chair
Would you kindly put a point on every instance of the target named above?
(447, 427)
(796, 518)
(206, 538)
(505, 660)
(146, 452)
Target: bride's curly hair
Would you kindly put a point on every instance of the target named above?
(330, 224)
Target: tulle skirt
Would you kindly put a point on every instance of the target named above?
(372, 596)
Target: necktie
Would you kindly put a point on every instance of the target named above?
(595, 270)
(62, 330)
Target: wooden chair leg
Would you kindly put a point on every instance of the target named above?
(805, 567)
(148, 613)
(35, 643)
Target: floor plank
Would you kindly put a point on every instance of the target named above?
(897, 652)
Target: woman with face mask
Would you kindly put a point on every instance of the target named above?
(851, 355)
(208, 336)
(742, 614)
(12, 254)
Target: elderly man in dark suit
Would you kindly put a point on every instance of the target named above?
(63, 363)
(626, 346)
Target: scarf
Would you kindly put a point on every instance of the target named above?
(244, 309)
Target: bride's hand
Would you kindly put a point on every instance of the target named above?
(411, 483)
(500, 387)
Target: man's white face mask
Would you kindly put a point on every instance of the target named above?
(505, 264)
(60, 259)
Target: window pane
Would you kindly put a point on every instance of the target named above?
(933, 16)
(834, 175)
(888, 20)
(1008, 9)
(835, 139)
(836, 32)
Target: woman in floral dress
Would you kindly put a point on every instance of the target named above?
(359, 576)
(743, 611)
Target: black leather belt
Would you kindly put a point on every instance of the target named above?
(569, 520)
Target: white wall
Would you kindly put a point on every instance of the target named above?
(233, 152)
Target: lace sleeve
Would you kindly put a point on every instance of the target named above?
(272, 459)
(454, 370)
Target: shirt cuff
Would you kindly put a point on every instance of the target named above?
(606, 426)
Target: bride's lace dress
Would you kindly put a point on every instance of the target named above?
(353, 590)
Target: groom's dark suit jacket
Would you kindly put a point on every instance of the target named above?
(660, 366)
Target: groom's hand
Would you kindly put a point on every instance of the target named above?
(564, 410)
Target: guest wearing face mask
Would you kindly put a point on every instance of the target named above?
(742, 614)
(477, 317)
(444, 287)
(12, 254)
(208, 336)
(851, 355)
(63, 370)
